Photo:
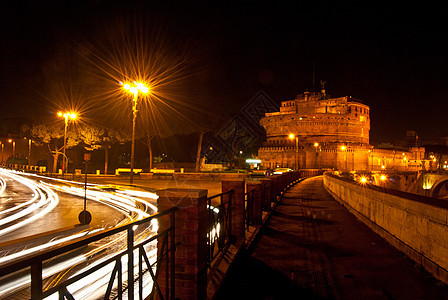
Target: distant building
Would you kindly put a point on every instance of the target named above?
(318, 131)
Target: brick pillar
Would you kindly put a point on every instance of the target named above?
(267, 194)
(256, 186)
(238, 229)
(285, 180)
(275, 187)
(191, 226)
(296, 175)
(281, 182)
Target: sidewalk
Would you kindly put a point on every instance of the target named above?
(313, 248)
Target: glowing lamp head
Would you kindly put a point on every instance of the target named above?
(72, 115)
(363, 180)
(60, 114)
(343, 148)
(316, 144)
(383, 177)
(291, 136)
(10, 141)
(137, 87)
(145, 90)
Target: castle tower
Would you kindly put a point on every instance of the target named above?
(328, 133)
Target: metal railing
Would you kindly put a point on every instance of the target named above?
(219, 224)
(35, 264)
(248, 209)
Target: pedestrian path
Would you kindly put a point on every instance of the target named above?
(313, 248)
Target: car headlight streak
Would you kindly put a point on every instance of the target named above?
(134, 205)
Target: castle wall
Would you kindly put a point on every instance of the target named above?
(339, 126)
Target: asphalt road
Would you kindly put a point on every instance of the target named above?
(64, 215)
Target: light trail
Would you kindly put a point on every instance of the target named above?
(129, 202)
(2, 185)
(46, 201)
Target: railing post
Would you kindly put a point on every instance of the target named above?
(267, 194)
(36, 281)
(130, 243)
(275, 187)
(256, 186)
(238, 229)
(191, 228)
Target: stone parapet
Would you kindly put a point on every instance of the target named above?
(416, 225)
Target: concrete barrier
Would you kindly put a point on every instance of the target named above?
(126, 171)
(414, 224)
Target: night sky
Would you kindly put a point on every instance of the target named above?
(394, 58)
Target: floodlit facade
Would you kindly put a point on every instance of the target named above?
(318, 131)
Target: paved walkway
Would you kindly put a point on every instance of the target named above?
(313, 248)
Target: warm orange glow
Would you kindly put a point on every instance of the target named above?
(291, 136)
(343, 148)
(316, 144)
(68, 115)
(383, 177)
(139, 87)
(10, 141)
(363, 179)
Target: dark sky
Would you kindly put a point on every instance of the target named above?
(392, 57)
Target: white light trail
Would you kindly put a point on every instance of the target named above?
(2, 185)
(46, 201)
(131, 203)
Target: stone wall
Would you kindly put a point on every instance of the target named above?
(416, 225)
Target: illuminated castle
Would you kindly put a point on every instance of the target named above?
(318, 131)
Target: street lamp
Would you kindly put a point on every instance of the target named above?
(292, 137)
(3, 146)
(134, 89)
(66, 116)
(13, 150)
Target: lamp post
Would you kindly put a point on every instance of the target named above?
(66, 116)
(29, 152)
(344, 148)
(292, 137)
(318, 150)
(13, 142)
(134, 89)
